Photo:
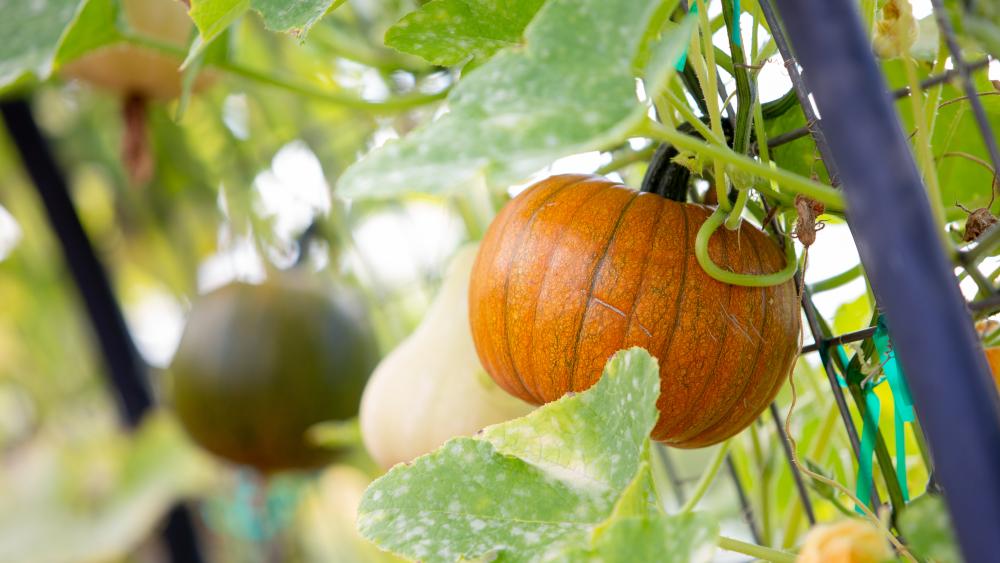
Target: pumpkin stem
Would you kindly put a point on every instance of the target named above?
(669, 178)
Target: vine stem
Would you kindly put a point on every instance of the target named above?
(706, 478)
(703, 61)
(748, 280)
(812, 189)
(871, 516)
(837, 280)
(756, 551)
(923, 149)
(390, 105)
(624, 159)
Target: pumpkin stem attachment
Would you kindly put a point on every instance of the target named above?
(669, 178)
(712, 224)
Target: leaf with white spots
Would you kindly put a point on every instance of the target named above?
(530, 488)
(448, 32)
(562, 439)
(685, 538)
(290, 16)
(570, 88)
(32, 31)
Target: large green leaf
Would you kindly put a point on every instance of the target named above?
(927, 527)
(93, 28)
(686, 538)
(530, 488)
(293, 17)
(569, 89)
(799, 156)
(447, 32)
(212, 17)
(32, 32)
(290, 16)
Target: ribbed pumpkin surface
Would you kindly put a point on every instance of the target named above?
(578, 267)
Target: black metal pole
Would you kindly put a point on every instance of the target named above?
(909, 271)
(124, 367)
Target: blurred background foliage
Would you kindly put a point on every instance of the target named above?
(242, 171)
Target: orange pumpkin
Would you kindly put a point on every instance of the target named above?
(578, 267)
(993, 357)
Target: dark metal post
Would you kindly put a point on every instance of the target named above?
(124, 367)
(909, 271)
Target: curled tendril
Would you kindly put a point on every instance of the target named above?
(712, 224)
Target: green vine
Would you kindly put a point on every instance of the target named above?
(831, 198)
(709, 227)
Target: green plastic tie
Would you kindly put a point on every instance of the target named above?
(684, 55)
(902, 401)
(737, 38)
(869, 430)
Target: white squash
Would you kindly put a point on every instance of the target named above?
(432, 387)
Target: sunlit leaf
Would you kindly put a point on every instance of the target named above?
(686, 538)
(527, 488)
(448, 32)
(293, 17)
(296, 17)
(927, 528)
(569, 89)
(32, 32)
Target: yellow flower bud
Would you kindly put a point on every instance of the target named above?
(896, 30)
(847, 541)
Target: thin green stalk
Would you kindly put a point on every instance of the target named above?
(746, 99)
(357, 50)
(826, 195)
(934, 92)
(703, 59)
(764, 485)
(766, 52)
(706, 478)
(391, 105)
(837, 280)
(625, 158)
(689, 117)
(923, 149)
(818, 446)
(925, 452)
(732, 221)
(756, 551)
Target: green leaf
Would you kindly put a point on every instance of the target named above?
(212, 17)
(799, 156)
(686, 538)
(853, 315)
(448, 32)
(93, 28)
(296, 17)
(927, 527)
(570, 89)
(293, 17)
(528, 488)
(32, 32)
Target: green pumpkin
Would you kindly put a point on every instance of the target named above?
(258, 365)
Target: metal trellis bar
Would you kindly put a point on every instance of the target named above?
(124, 367)
(909, 271)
